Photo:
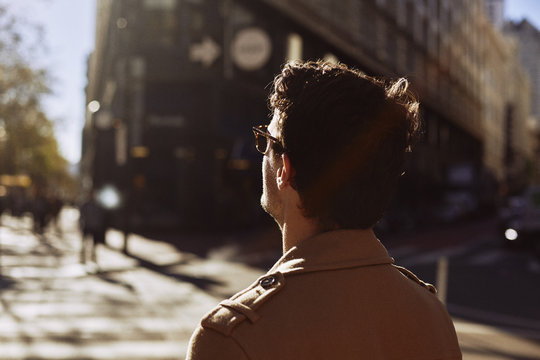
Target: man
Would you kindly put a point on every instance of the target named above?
(40, 210)
(92, 222)
(333, 154)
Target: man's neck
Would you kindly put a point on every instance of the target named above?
(297, 228)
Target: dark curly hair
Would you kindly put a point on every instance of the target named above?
(346, 135)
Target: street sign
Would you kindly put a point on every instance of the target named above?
(206, 52)
(251, 49)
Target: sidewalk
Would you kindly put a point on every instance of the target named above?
(53, 307)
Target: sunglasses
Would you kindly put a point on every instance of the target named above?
(263, 138)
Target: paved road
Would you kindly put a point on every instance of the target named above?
(145, 306)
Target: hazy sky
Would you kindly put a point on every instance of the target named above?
(69, 30)
(519, 9)
(69, 27)
(69, 36)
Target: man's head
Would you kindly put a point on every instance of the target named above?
(344, 136)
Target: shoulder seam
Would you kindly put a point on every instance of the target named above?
(241, 347)
(244, 305)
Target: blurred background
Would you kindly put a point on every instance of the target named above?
(148, 105)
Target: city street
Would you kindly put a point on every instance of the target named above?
(146, 304)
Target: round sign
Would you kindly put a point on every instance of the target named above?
(251, 49)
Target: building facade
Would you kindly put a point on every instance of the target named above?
(180, 83)
(495, 12)
(528, 48)
(527, 39)
(506, 103)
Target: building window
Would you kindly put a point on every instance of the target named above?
(294, 47)
(160, 26)
(196, 20)
(401, 53)
(432, 130)
(432, 9)
(166, 5)
(432, 77)
(391, 41)
(381, 38)
(401, 14)
(411, 60)
(368, 30)
(431, 39)
(410, 16)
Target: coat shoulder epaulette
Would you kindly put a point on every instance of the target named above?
(410, 275)
(230, 313)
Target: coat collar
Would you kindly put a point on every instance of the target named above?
(334, 250)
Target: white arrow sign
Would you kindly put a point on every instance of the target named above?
(207, 51)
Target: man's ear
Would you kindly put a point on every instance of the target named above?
(285, 173)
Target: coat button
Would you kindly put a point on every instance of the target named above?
(268, 282)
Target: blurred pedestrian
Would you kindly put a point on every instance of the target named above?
(55, 207)
(92, 222)
(333, 154)
(39, 208)
(17, 202)
(3, 204)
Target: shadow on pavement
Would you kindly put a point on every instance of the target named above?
(6, 283)
(107, 277)
(258, 246)
(203, 283)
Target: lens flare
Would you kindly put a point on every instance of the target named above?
(511, 234)
(109, 197)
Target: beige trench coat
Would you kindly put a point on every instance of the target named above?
(334, 296)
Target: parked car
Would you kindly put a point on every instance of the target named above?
(520, 219)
